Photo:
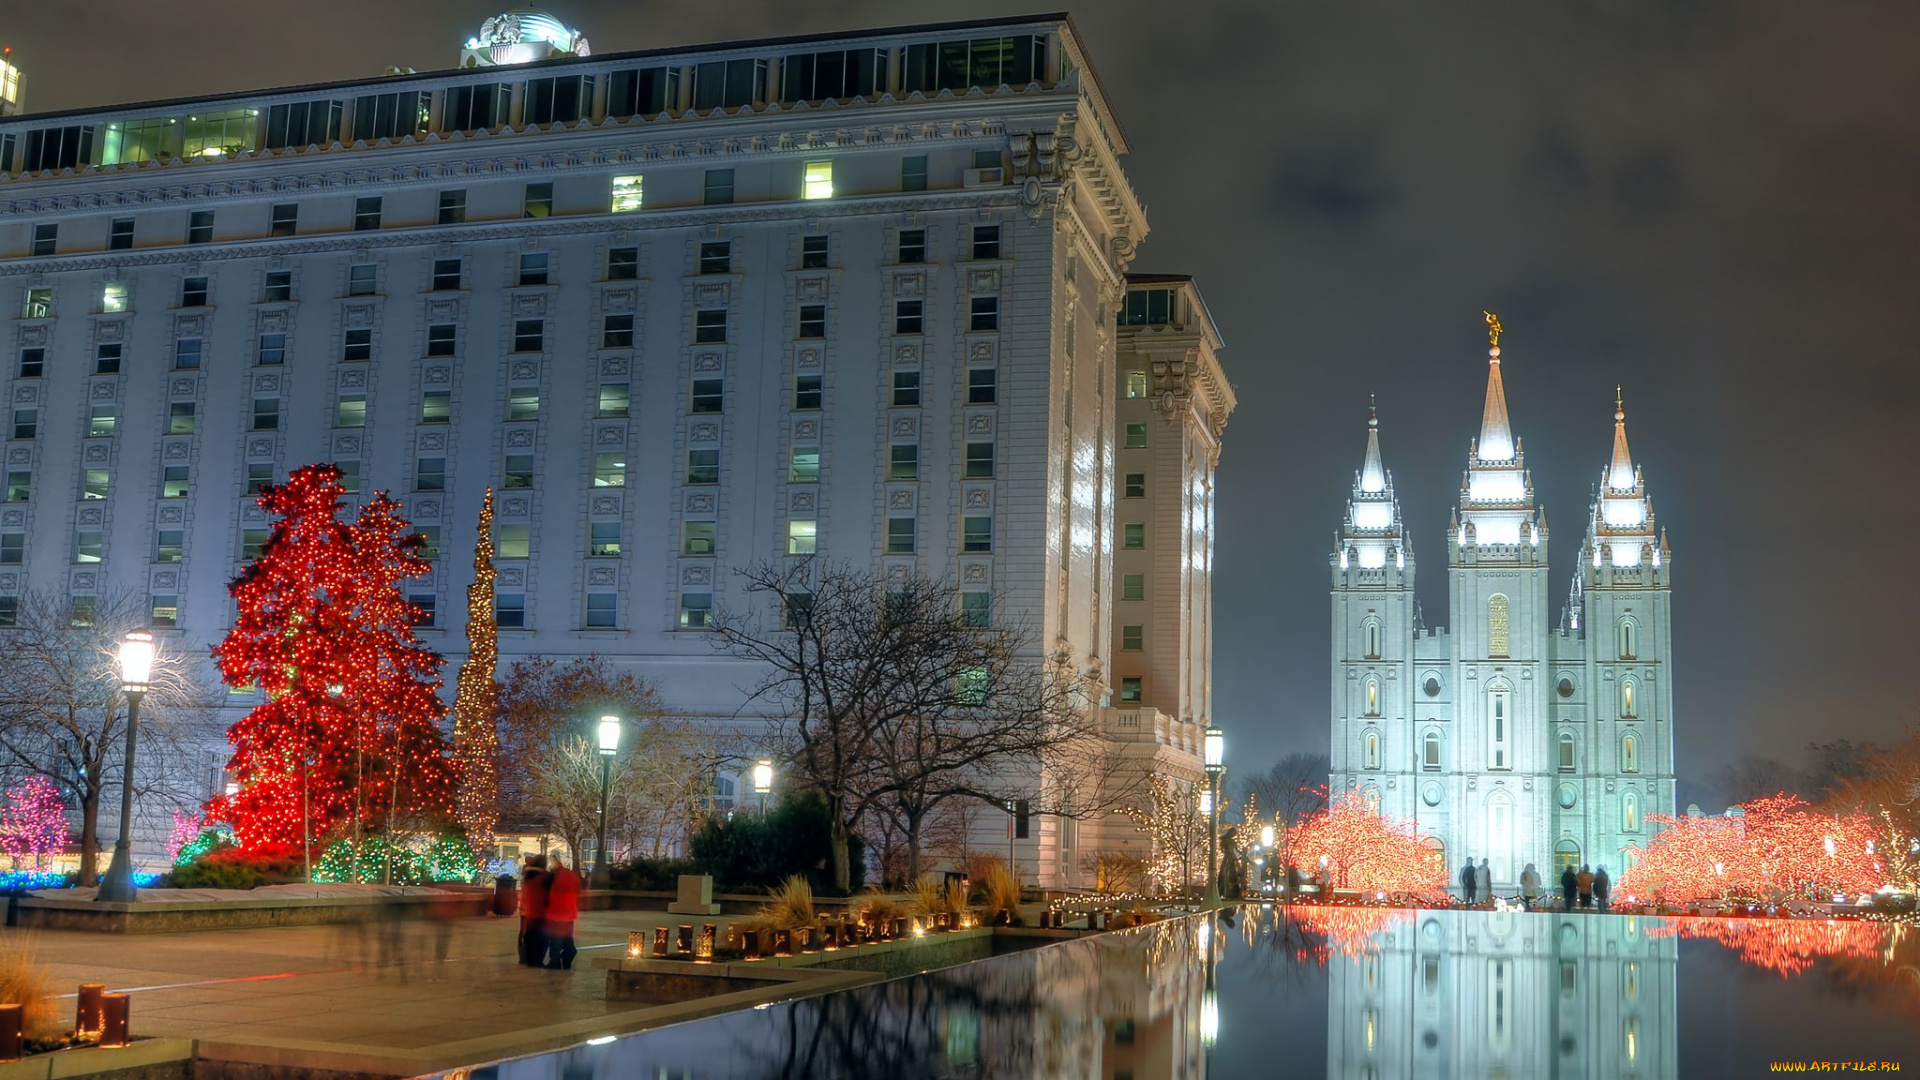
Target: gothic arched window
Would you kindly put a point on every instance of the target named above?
(1370, 752)
(1430, 751)
(1500, 725)
(1373, 695)
(1626, 700)
(1629, 639)
(1370, 638)
(1497, 627)
(1566, 751)
(1372, 799)
(1629, 754)
(1630, 812)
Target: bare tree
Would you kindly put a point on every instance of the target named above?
(888, 698)
(63, 716)
(542, 703)
(1292, 787)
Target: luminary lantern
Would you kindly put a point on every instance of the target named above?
(685, 940)
(636, 944)
(659, 941)
(703, 946)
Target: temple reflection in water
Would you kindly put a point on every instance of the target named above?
(1441, 994)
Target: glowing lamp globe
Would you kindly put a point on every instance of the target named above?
(1216, 749)
(136, 660)
(762, 776)
(609, 735)
(1266, 836)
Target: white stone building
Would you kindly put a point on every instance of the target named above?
(1513, 737)
(685, 310)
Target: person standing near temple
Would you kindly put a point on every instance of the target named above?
(533, 911)
(563, 908)
(1467, 878)
(1602, 886)
(1569, 884)
(1529, 886)
(1483, 881)
(1586, 886)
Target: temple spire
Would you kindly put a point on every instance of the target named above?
(1496, 436)
(1620, 473)
(1373, 476)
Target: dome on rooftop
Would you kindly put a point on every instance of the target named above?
(521, 36)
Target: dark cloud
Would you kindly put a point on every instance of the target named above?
(1710, 201)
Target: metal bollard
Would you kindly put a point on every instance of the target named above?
(115, 1012)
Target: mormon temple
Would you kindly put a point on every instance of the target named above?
(1511, 737)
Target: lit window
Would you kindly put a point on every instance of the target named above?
(180, 419)
(1370, 754)
(39, 304)
(165, 609)
(698, 538)
(169, 546)
(1130, 690)
(819, 180)
(429, 548)
(1498, 636)
(603, 539)
(518, 471)
(19, 485)
(1372, 695)
(87, 546)
(696, 610)
(512, 541)
(1136, 384)
(1626, 700)
(614, 400)
(1629, 754)
(801, 537)
(716, 257)
(436, 407)
(113, 297)
(351, 412)
(173, 482)
(1136, 437)
(626, 194)
(278, 288)
(94, 483)
(83, 610)
(806, 465)
(523, 403)
(430, 474)
(533, 268)
(538, 202)
(610, 470)
(349, 475)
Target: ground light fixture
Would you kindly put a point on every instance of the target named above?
(136, 668)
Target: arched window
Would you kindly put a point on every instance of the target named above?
(1372, 800)
(1629, 635)
(1370, 752)
(1630, 812)
(1626, 700)
(1497, 632)
(1629, 754)
(1370, 638)
(1500, 725)
(1430, 752)
(1373, 695)
(1566, 751)
(1565, 853)
(722, 793)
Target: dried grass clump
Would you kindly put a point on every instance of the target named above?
(928, 895)
(791, 906)
(956, 900)
(1002, 892)
(878, 909)
(25, 983)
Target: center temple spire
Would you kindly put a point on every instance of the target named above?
(1496, 435)
(1620, 473)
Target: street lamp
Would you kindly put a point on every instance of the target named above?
(763, 781)
(136, 667)
(1215, 746)
(1272, 864)
(609, 746)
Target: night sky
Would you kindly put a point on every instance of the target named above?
(1713, 202)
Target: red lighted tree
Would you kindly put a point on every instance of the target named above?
(1363, 850)
(33, 821)
(347, 739)
(1778, 849)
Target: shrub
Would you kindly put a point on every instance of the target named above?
(956, 898)
(792, 904)
(876, 908)
(234, 868)
(25, 983)
(653, 875)
(760, 851)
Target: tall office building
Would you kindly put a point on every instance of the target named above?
(851, 296)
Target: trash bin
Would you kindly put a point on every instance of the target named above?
(506, 895)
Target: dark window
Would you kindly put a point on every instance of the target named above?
(529, 335)
(304, 123)
(285, 220)
(538, 202)
(814, 252)
(716, 257)
(45, 239)
(976, 610)
(510, 610)
(906, 389)
(813, 320)
(984, 314)
(984, 62)
(708, 396)
(718, 187)
(1133, 535)
(12, 547)
(366, 213)
(703, 466)
(446, 274)
(729, 84)
(1135, 485)
(19, 486)
(602, 608)
(562, 99)
(900, 536)
(363, 279)
(120, 235)
(266, 414)
(903, 462)
(356, 346)
(441, 339)
(976, 534)
(710, 326)
(979, 460)
(643, 92)
(617, 332)
(423, 605)
(272, 351)
(453, 207)
(278, 288)
(913, 173)
(913, 245)
(58, 148)
(193, 292)
(837, 73)
(475, 108)
(806, 392)
(26, 423)
(983, 385)
(906, 317)
(349, 476)
(1147, 307)
(33, 362)
(986, 241)
(186, 353)
(518, 472)
(106, 359)
(389, 116)
(623, 264)
(430, 474)
(259, 475)
(533, 268)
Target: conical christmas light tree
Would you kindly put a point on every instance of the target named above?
(476, 740)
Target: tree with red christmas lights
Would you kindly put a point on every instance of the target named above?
(348, 739)
(1777, 849)
(1360, 849)
(33, 821)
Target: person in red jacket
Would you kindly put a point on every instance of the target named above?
(533, 911)
(563, 908)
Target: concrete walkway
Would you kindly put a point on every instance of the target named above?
(417, 991)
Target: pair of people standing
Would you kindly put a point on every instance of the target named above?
(1584, 887)
(1476, 881)
(549, 906)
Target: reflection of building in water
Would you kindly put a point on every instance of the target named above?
(1506, 995)
(1130, 1008)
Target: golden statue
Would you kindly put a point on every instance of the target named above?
(1493, 328)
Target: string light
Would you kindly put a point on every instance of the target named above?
(1364, 850)
(1779, 849)
(348, 736)
(1784, 946)
(33, 821)
(476, 699)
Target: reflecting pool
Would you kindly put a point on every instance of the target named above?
(1339, 992)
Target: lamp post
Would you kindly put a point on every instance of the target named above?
(1267, 838)
(1216, 759)
(136, 667)
(763, 781)
(609, 746)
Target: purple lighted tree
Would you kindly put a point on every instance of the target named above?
(33, 821)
